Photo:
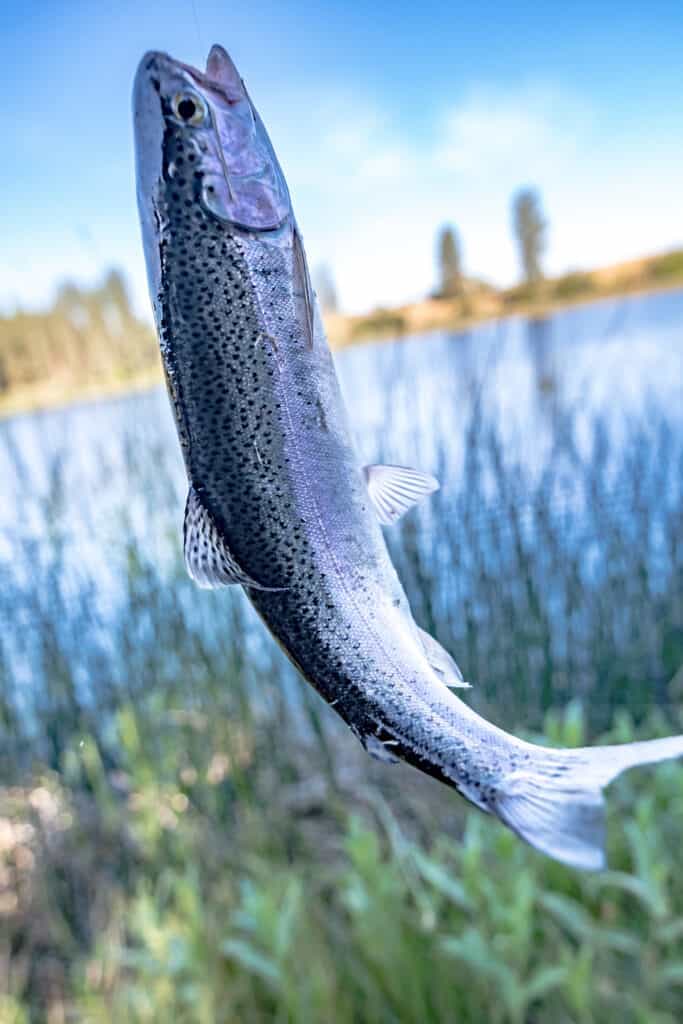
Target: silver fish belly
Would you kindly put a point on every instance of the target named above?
(278, 502)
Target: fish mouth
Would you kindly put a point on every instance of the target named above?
(242, 182)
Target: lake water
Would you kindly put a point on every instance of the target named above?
(572, 401)
(617, 357)
(409, 400)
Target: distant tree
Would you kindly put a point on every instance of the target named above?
(450, 263)
(529, 226)
(115, 292)
(325, 289)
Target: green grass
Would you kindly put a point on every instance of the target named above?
(188, 834)
(667, 266)
(203, 904)
(572, 285)
(380, 322)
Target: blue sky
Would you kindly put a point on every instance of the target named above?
(389, 119)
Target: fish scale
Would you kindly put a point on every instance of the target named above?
(278, 501)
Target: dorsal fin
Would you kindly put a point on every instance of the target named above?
(394, 490)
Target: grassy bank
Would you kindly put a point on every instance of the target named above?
(185, 887)
(188, 834)
(480, 302)
(90, 343)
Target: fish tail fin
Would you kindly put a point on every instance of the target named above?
(559, 807)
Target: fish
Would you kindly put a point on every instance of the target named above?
(278, 501)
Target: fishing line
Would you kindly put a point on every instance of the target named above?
(202, 48)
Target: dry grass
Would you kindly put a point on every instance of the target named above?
(90, 343)
(481, 302)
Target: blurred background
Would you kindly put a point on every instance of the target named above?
(491, 204)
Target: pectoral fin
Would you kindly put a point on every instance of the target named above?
(394, 490)
(442, 663)
(207, 556)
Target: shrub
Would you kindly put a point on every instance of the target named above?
(572, 285)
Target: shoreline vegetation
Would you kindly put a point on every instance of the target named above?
(480, 302)
(90, 344)
(189, 835)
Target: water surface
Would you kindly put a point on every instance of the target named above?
(558, 442)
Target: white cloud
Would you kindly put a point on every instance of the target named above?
(528, 132)
(379, 198)
(370, 197)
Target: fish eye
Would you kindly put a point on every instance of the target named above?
(188, 107)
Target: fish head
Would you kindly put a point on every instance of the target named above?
(201, 126)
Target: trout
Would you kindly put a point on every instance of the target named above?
(278, 502)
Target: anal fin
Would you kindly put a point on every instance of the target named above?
(207, 556)
(442, 663)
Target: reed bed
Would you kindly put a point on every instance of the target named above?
(187, 833)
